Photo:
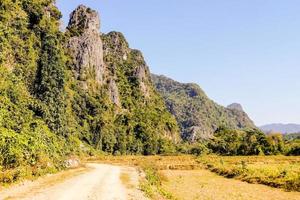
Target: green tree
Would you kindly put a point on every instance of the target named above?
(50, 81)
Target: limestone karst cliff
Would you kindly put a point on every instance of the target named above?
(105, 67)
(73, 92)
(85, 45)
(117, 54)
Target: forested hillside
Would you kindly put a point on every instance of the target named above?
(198, 116)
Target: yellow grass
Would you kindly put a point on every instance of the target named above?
(160, 162)
(188, 177)
(275, 171)
(125, 178)
(205, 185)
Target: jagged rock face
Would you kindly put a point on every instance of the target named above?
(85, 45)
(116, 45)
(131, 87)
(193, 133)
(116, 48)
(197, 115)
(114, 92)
(131, 107)
(142, 74)
(84, 19)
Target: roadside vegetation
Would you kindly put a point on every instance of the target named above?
(152, 184)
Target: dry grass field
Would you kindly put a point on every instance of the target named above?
(276, 171)
(160, 162)
(205, 185)
(215, 177)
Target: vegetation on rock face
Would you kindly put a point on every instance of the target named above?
(142, 119)
(50, 81)
(124, 114)
(48, 114)
(198, 116)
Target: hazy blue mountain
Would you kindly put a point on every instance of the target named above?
(282, 128)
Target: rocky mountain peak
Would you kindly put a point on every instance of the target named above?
(132, 61)
(116, 45)
(235, 106)
(86, 46)
(84, 19)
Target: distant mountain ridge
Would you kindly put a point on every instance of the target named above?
(282, 128)
(197, 115)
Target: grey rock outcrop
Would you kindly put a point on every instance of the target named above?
(116, 47)
(85, 45)
(235, 106)
(142, 78)
(114, 92)
(142, 74)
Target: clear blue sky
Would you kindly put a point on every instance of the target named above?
(245, 51)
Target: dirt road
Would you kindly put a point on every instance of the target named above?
(96, 182)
